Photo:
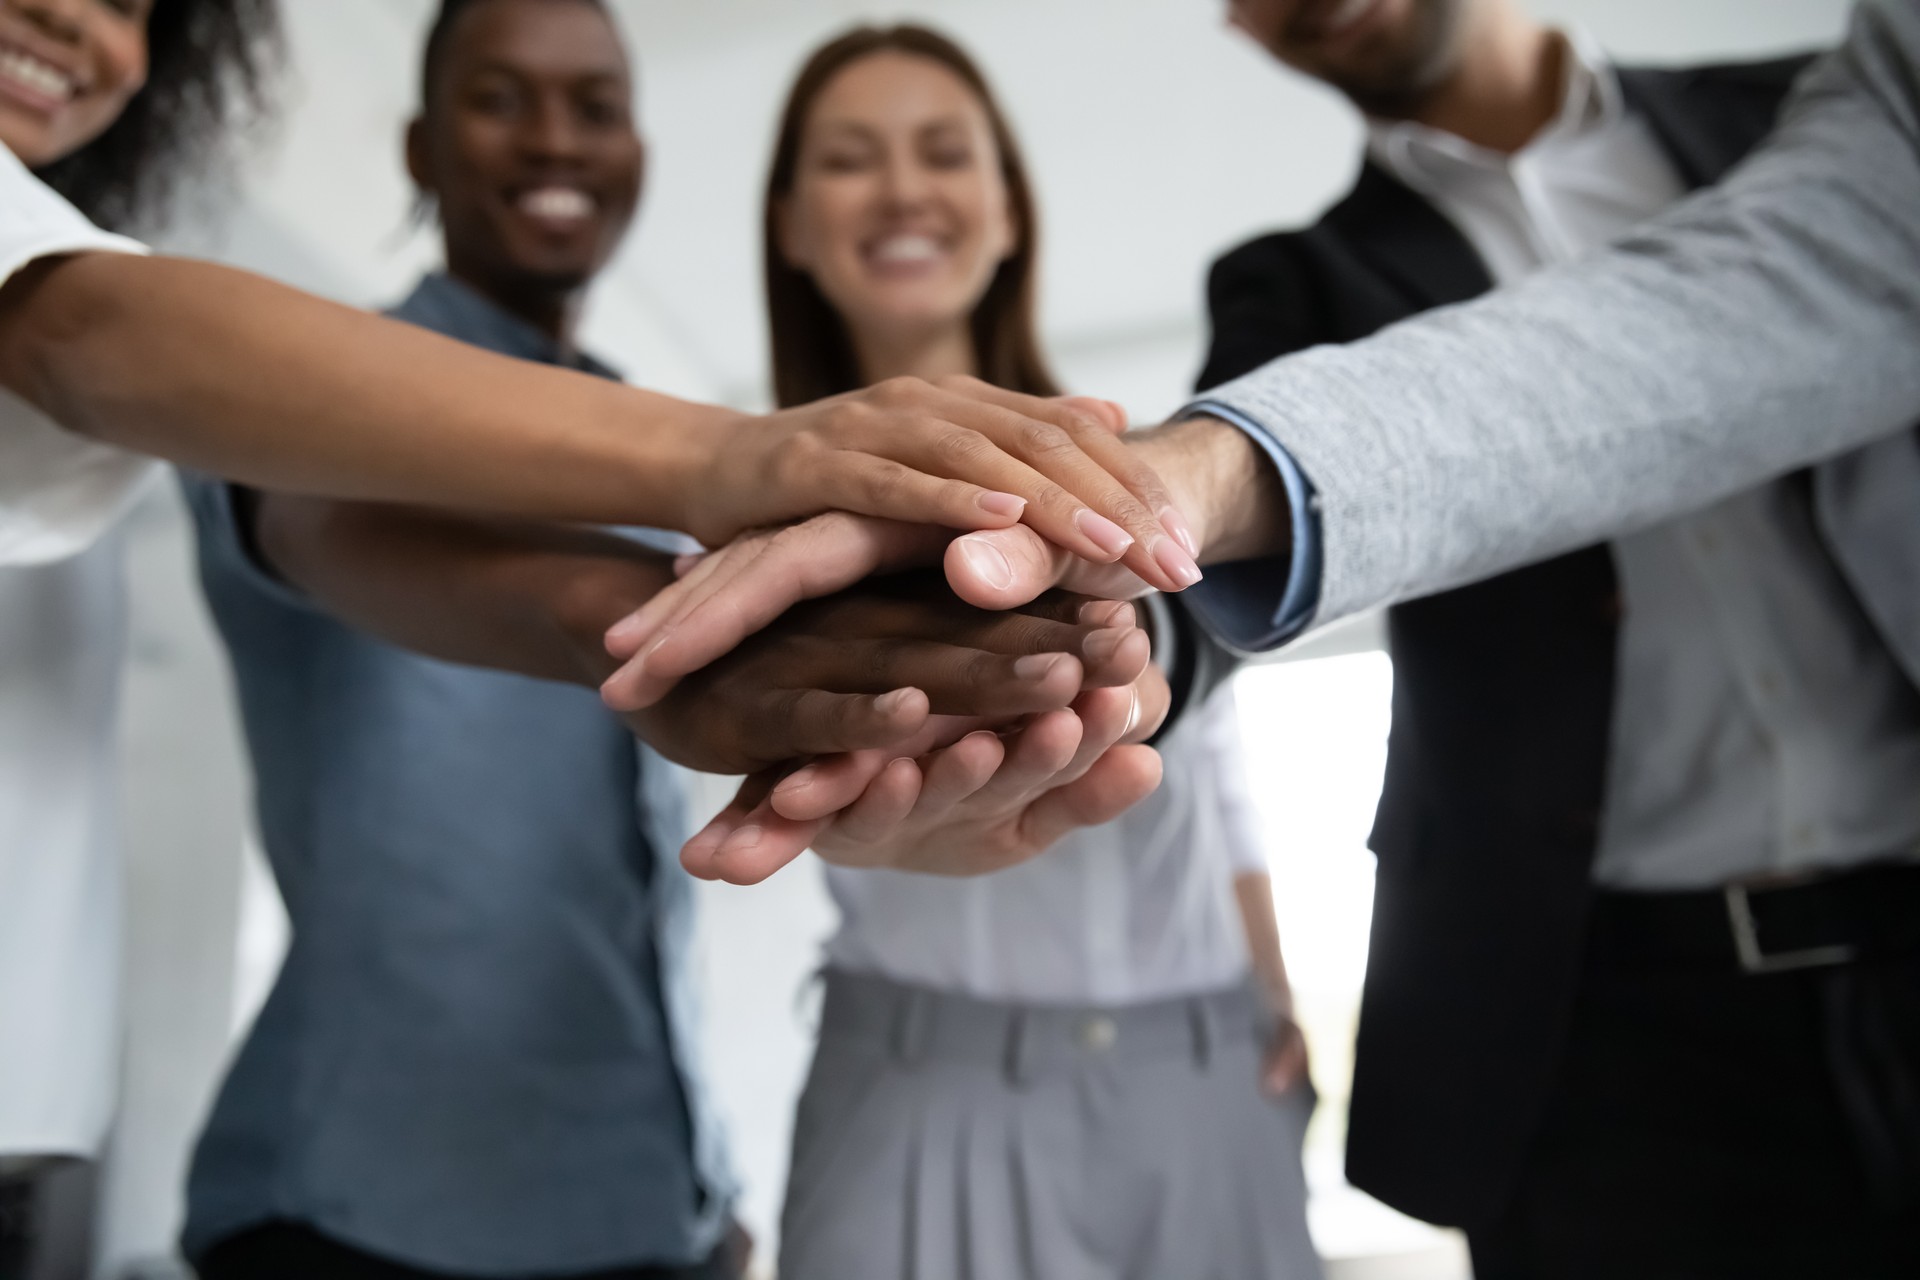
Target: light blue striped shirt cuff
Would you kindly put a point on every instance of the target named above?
(1254, 605)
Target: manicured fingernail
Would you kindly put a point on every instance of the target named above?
(1133, 711)
(797, 781)
(1102, 532)
(888, 704)
(1176, 524)
(988, 561)
(745, 840)
(1002, 504)
(1036, 666)
(1178, 565)
(1102, 645)
(1105, 613)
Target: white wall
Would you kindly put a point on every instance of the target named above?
(1158, 138)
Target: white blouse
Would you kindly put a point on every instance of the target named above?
(62, 639)
(1141, 908)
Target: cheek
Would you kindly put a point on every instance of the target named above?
(828, 218)
(121, 60)
(989, 216)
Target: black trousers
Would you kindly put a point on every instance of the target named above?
(290, 1251)
(1710, 1124)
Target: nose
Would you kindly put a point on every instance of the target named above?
(61, 20)
(907, 182)
(552, 133)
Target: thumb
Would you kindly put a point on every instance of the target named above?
(1003, 568)
(1006, 568)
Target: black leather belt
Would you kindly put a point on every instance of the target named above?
(1768, 924)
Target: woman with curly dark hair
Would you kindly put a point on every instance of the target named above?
(109, 355)
(209, 63)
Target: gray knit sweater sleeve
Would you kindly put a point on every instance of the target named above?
(1771, 322)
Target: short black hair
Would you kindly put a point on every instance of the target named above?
(440, 35)
(209, 65)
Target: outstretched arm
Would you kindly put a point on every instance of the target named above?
(1761, 326)
(855, 673)
(233, 374)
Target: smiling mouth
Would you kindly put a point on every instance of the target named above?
(35, 80)
(905, 252)
(558, 207)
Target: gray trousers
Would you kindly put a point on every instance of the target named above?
(944, 1138)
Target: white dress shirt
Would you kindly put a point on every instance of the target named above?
(62, 636)
(1141, 908)
(1760, 724)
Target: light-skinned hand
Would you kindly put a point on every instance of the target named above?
(957, 453)
(974, 802)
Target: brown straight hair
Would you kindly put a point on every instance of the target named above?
(812, 352)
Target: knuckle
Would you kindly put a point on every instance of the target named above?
(1045, 441)
(959, 448)
(875, 663)
(1055, 498)
(887, 486)
(898, 391)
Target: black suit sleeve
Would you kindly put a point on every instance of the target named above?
(1262, 303)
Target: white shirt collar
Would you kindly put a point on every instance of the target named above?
(1590, 100)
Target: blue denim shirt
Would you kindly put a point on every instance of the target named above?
(479, 1055)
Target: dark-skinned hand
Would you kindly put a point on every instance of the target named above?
(871, 669)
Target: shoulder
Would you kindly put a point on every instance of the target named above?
(1767, 76)
(1288, 251)
(1759, 86)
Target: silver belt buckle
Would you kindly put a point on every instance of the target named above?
(1754, 959)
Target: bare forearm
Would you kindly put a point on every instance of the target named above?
(1254, 894)
(527, 598)
(1224, 482)
(228, 372)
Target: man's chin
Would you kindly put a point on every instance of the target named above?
(548, 276)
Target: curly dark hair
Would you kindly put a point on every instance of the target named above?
(209, 67)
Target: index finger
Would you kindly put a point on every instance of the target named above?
(725, 598)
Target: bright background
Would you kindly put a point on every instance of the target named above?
(1158, 139)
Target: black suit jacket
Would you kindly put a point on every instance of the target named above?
(1502, 705)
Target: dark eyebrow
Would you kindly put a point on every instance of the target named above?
(591, 79)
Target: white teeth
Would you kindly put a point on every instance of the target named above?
(558, 204)
(41, 77)
(907, 250)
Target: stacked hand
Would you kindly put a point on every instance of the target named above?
(952, 726)
(948, 738)
(959, 454)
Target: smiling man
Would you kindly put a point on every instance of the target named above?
(478, 1058)
(1594, 755)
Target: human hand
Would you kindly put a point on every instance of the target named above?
(729, 595)
(870, 669)
(958, 453)
(1283, 1062)
(973, 803)
(1240, 511)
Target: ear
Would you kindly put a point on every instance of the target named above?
(787, 237)
(419, 165)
